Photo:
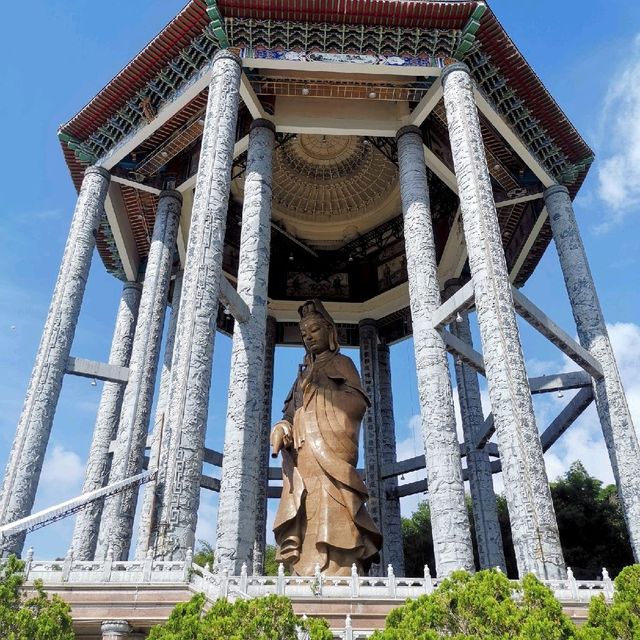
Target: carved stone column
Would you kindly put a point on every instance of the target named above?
(263, 487)
(149, 502)
(392, 523)
(371, 432)
(533, 522)
(615, 418)
(32, 434)
(85, 532)
(241, 468)
(186, 415)
(483, 497)
(115, 630)
(449, 520)
(119, 510)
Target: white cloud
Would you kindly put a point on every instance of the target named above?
(207, 518)
(618, 175)
(583, 440)
(61, 479)
(62, 473)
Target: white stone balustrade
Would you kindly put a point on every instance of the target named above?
(200, 579)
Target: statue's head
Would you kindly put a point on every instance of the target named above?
(317, 328)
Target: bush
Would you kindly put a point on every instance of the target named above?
(621, 619)
(483, 606)
(36, 618)
(269, 618)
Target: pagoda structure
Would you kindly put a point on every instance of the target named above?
(398, 159)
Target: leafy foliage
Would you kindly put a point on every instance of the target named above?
(417, 541)
(483, 606)
(592, 529)
(621, 619)
(270, 562)
(270, 618)
(204, 554)
(34, 618)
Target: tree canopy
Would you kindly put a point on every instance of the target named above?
(619, 620)
(269, 618)
(591, 524)
(485, 606)
(36, 617)
(590, 520)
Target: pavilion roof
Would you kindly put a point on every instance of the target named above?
(451, 14)
(193, 23)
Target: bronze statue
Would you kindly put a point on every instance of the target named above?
(322, 518)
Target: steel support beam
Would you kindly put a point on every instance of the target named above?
(550, 330)
(96, 370)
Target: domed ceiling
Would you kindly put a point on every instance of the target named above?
(328, 188)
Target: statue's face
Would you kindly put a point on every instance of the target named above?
(315, 335)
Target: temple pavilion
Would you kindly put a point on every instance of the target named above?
(399, 160)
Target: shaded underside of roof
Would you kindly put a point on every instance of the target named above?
(193, 19)
(490, 39)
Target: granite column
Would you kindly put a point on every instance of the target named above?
(158, 442)
(187, 408)
(533, 523)
(85, 532)
(263, 487)
(115, 630)
(371, 430)
(391, 523)
(34, 427)
(483, 497)
(241, 480)
(116, 527)
(615, 418)
(449, 520)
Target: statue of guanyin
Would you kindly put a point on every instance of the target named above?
(322, 518)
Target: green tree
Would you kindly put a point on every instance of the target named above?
(590, 521)
(270, 562)
(204, 554)
(269, 618)
(619, 620)
(591, 524)
(483, 606)
(36, 617)
(417, 542)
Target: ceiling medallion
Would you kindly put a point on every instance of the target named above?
(318, 177)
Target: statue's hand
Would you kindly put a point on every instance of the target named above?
(281, 437)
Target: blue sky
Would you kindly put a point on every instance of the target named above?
(56, 55)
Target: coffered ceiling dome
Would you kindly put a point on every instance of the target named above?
(320, 178)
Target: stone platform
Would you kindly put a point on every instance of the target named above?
(144, 593)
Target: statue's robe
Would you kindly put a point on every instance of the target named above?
(322, 517)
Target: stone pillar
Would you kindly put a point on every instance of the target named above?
(371, 432)
(263, 486)
(85, 532)
(32, 434)
(483, 497)
(449, 520)
(391, 524)
(115, 630)
(241, 468)
(615, 418)
(158, 442)
(116, 527)
(533, 522)
(186, 415)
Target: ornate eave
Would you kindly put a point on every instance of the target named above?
(285, 47)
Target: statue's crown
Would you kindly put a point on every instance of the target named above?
(309, 309)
